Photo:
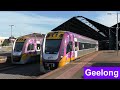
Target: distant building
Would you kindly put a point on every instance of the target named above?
(1, 41)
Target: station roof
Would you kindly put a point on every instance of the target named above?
(113, 30)
(86, 27)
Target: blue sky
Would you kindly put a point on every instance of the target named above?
(26, 22)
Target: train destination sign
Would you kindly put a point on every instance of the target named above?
(101, 72)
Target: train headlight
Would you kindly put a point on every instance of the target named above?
(61, 56)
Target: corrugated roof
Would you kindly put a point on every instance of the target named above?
(77, 26)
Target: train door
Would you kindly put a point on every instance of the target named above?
(76, 47)
(69, 47)
(29, 52)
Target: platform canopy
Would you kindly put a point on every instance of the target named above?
(86, 27)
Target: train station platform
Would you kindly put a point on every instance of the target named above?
(74, 70)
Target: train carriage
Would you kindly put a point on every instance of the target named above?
(62, 47)
(27, 48)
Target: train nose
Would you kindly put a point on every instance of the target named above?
(50, 66)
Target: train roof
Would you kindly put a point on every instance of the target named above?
(83, 36)
(75, 34)
(23, 38)
(85, 27)
(31, 35)
(58, 31)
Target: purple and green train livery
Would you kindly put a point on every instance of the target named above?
(27, 48)
(61, 47)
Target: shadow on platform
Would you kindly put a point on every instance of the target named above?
(103, 64)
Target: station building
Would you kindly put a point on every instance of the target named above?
(105, 35)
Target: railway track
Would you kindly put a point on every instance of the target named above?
(7, 67)
(28, 71)
(11, 71)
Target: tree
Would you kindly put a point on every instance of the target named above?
(5, 43)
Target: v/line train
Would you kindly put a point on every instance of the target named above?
(61, 47)
(27, 48)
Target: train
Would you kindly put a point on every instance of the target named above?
(27, 48)
(61, 47)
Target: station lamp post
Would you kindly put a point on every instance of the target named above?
(116, 32)
(11, 42)
(109, 38)
(11, 32)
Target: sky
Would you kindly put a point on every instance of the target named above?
(26, 22)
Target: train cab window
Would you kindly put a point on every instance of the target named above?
(69, 47)
(52, 46)
(18, 46)
(38, 46)
(30, 47)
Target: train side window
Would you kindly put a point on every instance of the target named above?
(90, 45)
(69, 47)
(86, 45)
(30, 47)
(80, 46)
(93, 45)
(38, 46)
(83, 45)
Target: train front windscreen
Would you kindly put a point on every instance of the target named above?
(52, 46)
(18, 46)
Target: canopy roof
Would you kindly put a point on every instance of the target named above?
(86, 27)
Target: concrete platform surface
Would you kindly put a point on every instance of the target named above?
(74, 70)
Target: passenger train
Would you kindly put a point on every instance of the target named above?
(27, 48)
(61, 47)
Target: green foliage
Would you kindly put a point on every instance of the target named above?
(5, 43)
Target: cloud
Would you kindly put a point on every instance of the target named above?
(25, 24)
(4, 37)
(106, 19)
